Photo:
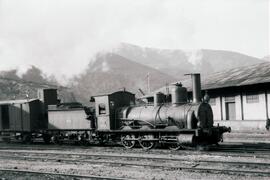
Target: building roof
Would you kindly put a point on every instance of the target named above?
(241, 76)
(247, 75)
(19, 101)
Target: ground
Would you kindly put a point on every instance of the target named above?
(116, 162)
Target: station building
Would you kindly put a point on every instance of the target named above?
(240, 97)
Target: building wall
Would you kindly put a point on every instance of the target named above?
(238, 107)
(216, 108)
(237, 100)
(254, 114)
(255, 111)
(223, 108)
(1, 118)
(251, 111)
(268, 103)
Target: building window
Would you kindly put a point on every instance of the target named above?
(101, 109)
(252, 98)
(212, 101)
(230, 99)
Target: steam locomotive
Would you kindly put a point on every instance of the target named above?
(115, 118)
(176, 123)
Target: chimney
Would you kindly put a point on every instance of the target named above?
(196, 87)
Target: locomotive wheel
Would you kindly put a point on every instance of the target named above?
(6, 139)
(46, 138)
(146, 143)
(27, 138)
(128, 143)
(84, 143)
(174, 146)
(55, 140)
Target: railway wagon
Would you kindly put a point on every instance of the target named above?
(26, 119)
(67, 121)
(43, 117)
(21, 115)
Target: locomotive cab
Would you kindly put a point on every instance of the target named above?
(106, 106)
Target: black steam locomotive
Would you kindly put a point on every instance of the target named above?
(175, 123)
(115, 118)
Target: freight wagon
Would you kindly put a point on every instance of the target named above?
(21, 118)
(43, 117)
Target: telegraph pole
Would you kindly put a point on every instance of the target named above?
(148, 82)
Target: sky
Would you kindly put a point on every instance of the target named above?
(62, 36)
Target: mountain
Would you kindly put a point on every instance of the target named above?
(126, 66)
(110, 72)
(177, 62)
(266, 58)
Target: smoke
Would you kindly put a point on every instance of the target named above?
(105, 67)
(21, 70)
(194, 57)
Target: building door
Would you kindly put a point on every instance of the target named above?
(230, 111)
(5, 117)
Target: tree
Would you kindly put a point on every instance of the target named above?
(34, 74)
(11, 74)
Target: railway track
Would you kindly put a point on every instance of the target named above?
(151, 162)
(231, 145)
(57, 175)
(113, 156)
(231, 150)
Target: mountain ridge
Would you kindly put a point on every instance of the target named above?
(177, 61)
(129, 66)
(113, 72)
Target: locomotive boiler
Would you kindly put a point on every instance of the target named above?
(179, 112)
(175, 123)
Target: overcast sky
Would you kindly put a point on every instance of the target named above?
(62, 35)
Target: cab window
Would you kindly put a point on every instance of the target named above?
(101, 109)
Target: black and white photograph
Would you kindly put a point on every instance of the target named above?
(135, 89)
